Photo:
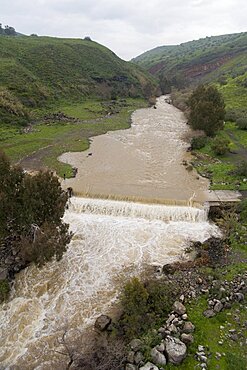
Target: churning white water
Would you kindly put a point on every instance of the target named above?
(112, 241)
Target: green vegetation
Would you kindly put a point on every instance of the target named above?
(47, 140)
(40, 72)
(207, 110)
(31, 211)
(209, 59)
(144, 307)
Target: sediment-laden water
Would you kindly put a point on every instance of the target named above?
(112, 240)
(141, 162)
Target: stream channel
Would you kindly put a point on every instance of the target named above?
(113, 238)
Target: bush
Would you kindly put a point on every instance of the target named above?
(31, 211)
(4, 290)
(241, 169)
(145, 305)
(242, 123)
(198, 142)
(220, 145)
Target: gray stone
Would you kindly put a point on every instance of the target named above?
(239, 297)
(179, 308)
(131, 357)
(200, 348)
(218, 307)
(170, 318)
(203, 358)
(102, 322)
(157, 357)
(160, 347)
(3, 274)
(209, 313)
(130, 367)
(187, 338)
(185, 316)
(138, 358)
(149, 366)
(172, 328)
(188, 327)
(175, 349)
(136, 344)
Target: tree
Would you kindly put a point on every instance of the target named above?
(31, 211)
(207, 110)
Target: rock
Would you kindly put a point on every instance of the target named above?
(175, 349)
(185, 316)
(136, 344)
(234, 337)
(160, 347)
(187, 338)
(131, 357)
(181, 298)
(209, 313)
(102, 322)
(179, 308)
(3, 274)
(238, 297)
(227, 305)
(138, 358)
(188, 327)
(170, 319)
(172, 328)
(130, 367)
(200, 348)
(157, 357)
(149, 366)
(218, 307)
(168, 269)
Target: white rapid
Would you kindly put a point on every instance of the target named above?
(112, 241)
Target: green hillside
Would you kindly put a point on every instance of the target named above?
(203, 60)
(37, 72)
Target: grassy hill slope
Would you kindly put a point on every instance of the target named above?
(197, 61)
(36, 72)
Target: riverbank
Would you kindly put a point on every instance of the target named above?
(201, 324)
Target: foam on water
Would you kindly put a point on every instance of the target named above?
(108, 246)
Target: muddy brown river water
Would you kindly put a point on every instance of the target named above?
(113, 239)
(142, 162)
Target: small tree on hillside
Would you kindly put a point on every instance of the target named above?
(207, 110)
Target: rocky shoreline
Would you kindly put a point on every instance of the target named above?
(176, 334)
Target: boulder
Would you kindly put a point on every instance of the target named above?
(130, 367)
(187, 338)
(218, 307)
(168, 269)
(149, 366)
(136, 344)
(175, 349)
(102, 322)
(209, 313)
(188, 327)
(157, 357)
(179, 308)
(138, 358)
(3, 273)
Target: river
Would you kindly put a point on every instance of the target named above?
(113, 239)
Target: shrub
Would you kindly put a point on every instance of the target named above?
(241, 169)
(145, 305)
(220, 145)
(134, 302)
(198, 142)
(4, 290)
(242, 123)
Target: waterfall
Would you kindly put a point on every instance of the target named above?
(150, 212)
